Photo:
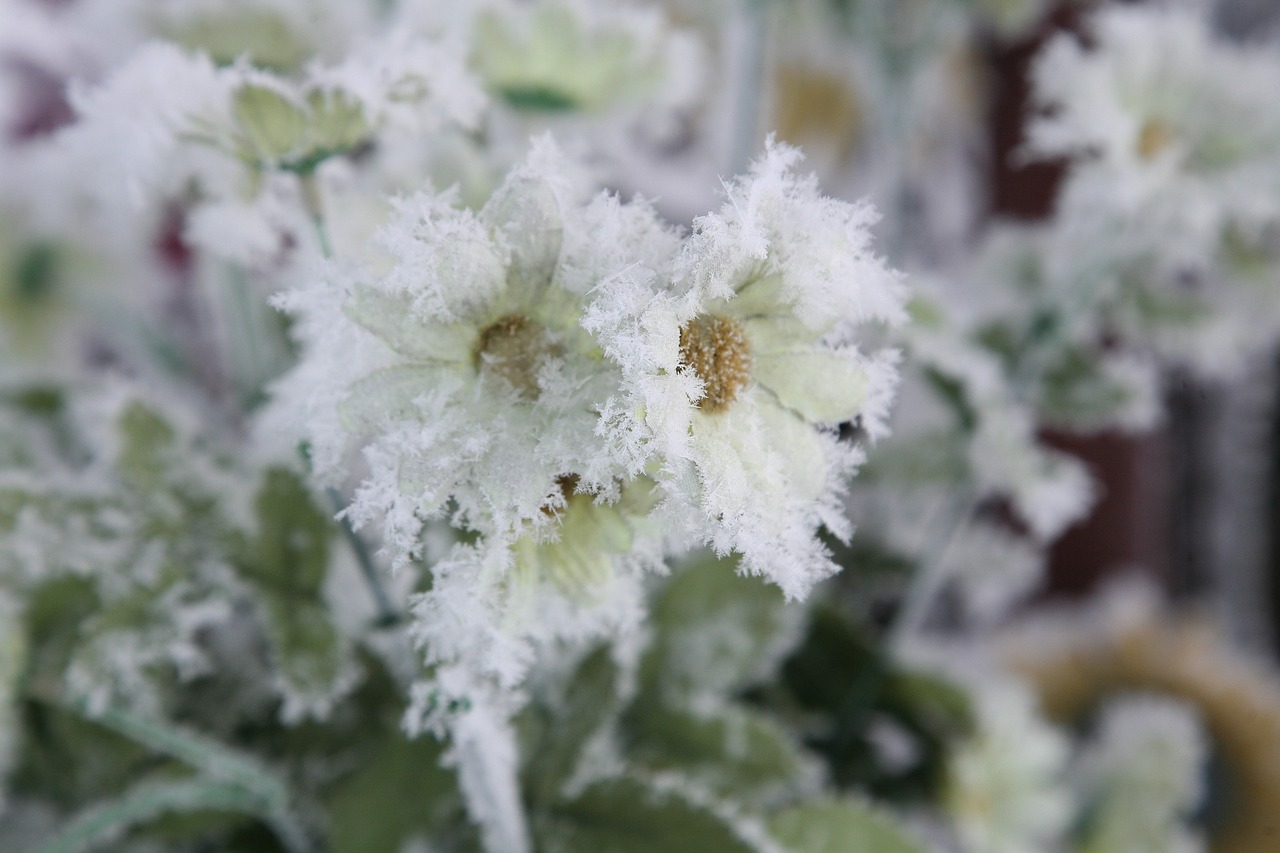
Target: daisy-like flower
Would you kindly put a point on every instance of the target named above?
(1176, 179)
(568, 55)
(1141, 778)
(458, 360)
(1126, 643)
(1005, 788)
(736, 377)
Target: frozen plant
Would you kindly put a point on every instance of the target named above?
(1141, 778)
(1167, 227)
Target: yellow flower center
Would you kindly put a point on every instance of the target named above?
(515, 348)
(716, 350)
(1155, 136)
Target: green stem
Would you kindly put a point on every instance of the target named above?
(748, 87)
(231, 779)
(932, 576)
(387, 613)
(194, 750)
(314, 204)
(102, 824)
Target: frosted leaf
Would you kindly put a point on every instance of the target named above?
(631, 815)
(141, 515)
(693, 657)
(833, 826)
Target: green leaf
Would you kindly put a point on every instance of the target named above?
(938, 704)
(13, 663)
(287, 562)
(402, 791)
(740, 754)
(36, 273)
(199, 752)
(309, 652)
(716, 632)
(590, 701)
(839, 826)
(845, 686)
(630, 816)
(145, 441)
(540, 99)
(290, 554)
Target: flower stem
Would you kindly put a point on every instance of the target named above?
(748, 80)
(228, 778)
(932, 575)
(387, 613)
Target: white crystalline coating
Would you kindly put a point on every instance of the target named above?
(1049, 490)
(479, 647)
(159, 537)
(168, 122)
(125, 144)
(454, 359)
(410, 84)
(573, 54)
(1142, 777)
(782, 277)
(1005, 788)
(1172, 209)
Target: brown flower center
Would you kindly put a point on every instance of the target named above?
(1154, 137)
(716, 350)
(515, 348)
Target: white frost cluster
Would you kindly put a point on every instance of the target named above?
(580, 392)
(1006, 788)
(1171, 214)
(1141, 778)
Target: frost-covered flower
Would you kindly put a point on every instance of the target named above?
(736, 376)
(1049, 490)
(1141, 778)
(456, 358)
(1025, 304)
(1005, 788)
(281, 35)
(1128, 642)
(569, 55)
(170, 126)
(1177, 179)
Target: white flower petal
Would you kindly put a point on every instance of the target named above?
(797, 442)
(821, 385)
(778, 334)
(388, 395)
(391, 319)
